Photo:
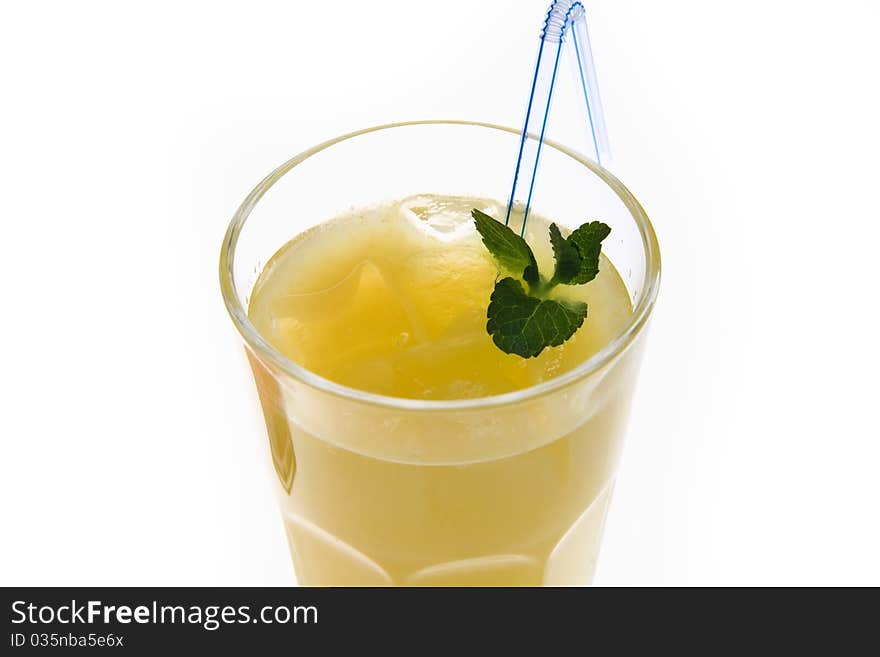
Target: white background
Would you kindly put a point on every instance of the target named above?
(131, 448)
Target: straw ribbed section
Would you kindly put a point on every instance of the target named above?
(561, 12)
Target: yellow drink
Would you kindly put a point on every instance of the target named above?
(392, 300)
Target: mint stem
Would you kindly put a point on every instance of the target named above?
(543, 286)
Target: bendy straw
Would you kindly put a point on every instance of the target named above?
(566, 20)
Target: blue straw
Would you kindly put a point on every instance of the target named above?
(564, 18)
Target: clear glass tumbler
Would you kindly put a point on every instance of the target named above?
(504, 490)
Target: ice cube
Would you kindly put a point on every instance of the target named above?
(446, 281)
(462, 364)
(445, 218)
(320, 304)
(362, 317)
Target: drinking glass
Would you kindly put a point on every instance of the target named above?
(510, 489)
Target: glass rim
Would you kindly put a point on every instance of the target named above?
(256, 342)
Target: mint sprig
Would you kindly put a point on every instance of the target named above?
(525, 323)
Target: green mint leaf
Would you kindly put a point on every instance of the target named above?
(588, 241)
(509, 249)
(524, 325)
(568, 258)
